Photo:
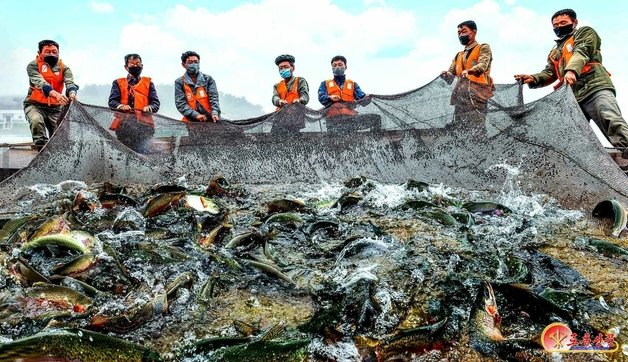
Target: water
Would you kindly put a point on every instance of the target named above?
(15, 139)
(19, 134)
(375, 270)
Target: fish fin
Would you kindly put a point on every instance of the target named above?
(274, 332)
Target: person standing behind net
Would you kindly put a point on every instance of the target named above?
(291, 89)
(133, 92)
(475, 85)
(195, 93)
(576, 60)
(334, 92)
(134, 98)
(47, 75)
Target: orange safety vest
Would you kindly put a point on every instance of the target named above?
(288, 96)
(140, 93)
(52, 78)
(472, 60)
(346, 93)
(565, 56)
(201, 96)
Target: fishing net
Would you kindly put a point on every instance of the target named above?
(442, 132)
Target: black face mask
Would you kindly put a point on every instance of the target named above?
(135, 71)
(464, 39)
(51, 60)
(563, 31)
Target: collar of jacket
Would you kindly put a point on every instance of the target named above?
(340, 80)
(562, 40)
(471, 46)
(200, 79)
(132, 80)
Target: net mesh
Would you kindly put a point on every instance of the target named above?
(415, 135)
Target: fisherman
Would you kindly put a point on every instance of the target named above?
(335, 93)
(47, 75)
(135, 99)
(475, 85)
(576, 60)
(290, 89)
(195, 93)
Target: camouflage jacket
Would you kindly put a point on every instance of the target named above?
(586, 49)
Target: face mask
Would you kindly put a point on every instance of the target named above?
(464, 39)
(192, 68)
(135, 71)
(51, 60)
(339, 71)
(285, 73)
(564, 30)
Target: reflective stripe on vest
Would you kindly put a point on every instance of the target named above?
(345, 93)
(565, 57)
(201, 97)
(54, 79)
(472, 60)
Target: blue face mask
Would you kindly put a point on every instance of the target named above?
(192, 68)
(285, 73)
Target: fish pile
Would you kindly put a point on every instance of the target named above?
(359, 271)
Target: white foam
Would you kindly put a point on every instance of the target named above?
(327, 191)
(387, 195)
(339, 351)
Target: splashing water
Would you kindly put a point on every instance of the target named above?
(387, 195)
(512, 196)
(324, 195)
(371, 253)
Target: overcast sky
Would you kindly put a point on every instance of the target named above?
(391, 46)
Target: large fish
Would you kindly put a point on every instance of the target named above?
(75, 345)
(484, 328)
(415, 340)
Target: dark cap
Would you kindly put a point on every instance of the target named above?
(284, 58)
(470, 23)
(339, 57)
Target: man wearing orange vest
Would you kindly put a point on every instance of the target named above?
(47, 75)
(576, 59)
(195, 93)
(475, 85)
(135, 99)
(339, 89)
(291, 89)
